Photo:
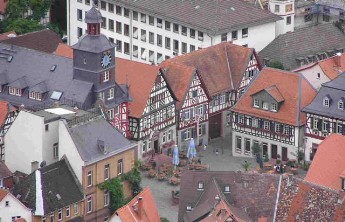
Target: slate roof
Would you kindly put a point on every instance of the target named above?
(93, 43)
(328, 163)
(4, 171)
(150, 213)
(303, 201)
(293, 87)
(261, 191)
(213, 17)
(44, 40)
(339, 4)
(93, 16)
(286, 48)
(140, 78)
(221, 66)
(57, 179)
(85, 136)
(335, 90)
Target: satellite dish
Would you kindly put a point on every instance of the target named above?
(43, 163)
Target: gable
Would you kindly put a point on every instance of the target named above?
(196, 92)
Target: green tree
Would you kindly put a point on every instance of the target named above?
(246, 165)
(276, 65)
(163, 219)
(115, 189)
(39, 8)
(134, 178)
(21, 26)
(16, 9)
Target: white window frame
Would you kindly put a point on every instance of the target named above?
(164, 137)
(188, 134)
(106, 172)
(326, 102)
(169, 135)
(241, 119)
(110, 113)
(120, 167)
(35, 95)
(59, 214)
(286, 130)
(106, 76)
(111, 94)
(265, 105)
(200, 186)
(316, 121)
(106, 198)
(227, 189)
(56, 150)
(68, 211)
(274, 107)
(277, 128)
(255, 122)
(89, 178)
(14, 91)
(238, 149)
(76, 208)
(256, 103)
(341, 104)
(89, 205)
(266, 125)
(339, 128)
(222, 99)
(52, 217)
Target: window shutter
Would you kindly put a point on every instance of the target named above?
(311, 123)
(319, 124)
(272, 126)
(100, 77)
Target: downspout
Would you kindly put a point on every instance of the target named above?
(130, 36)
(277, 199)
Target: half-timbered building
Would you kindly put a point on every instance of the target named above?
(269, 115)
(226, 69)
(7, 115)
(192, 107)
(152, 107)
(325, 114)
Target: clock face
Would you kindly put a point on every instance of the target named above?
(106, 59)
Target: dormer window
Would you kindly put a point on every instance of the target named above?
(35, 95)
(256, 103)
(200, 186)
(265, 105)
(189, 207)
(227, 189)
(318, 75)
(326, 101)
(14, 91)
(274, 107)
(341, 104)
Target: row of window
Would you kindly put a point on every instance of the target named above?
(327, 126)
(264, 124)
(18, 92)
(201, 186)
(265, 105)
(158, 117)
(166, 137)
(106, 172)
(191, 132)
(61, 212)
(247, 146)
(327, 102)
(193, 111)
(110, 94)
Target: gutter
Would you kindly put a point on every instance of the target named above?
(277, 199)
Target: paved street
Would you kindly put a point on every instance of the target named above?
(221, 162)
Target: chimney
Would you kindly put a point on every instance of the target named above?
(337, 59)
(140, 207)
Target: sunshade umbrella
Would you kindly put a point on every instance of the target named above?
(175, 159)
(191, 149)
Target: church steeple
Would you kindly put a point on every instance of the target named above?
(93, 19)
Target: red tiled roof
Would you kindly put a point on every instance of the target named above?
(288, 85)
(216, 63)
(149, 214)
(4, 36)
(4, 171)
(328, 163)
(179, 78)
(3, 111)
(141, 78)
(330, 67)
(20, 220)
(3, 4)
(44, 40)
(64, 50)
(3, 193)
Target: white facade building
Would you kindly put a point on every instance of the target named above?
(11, 208)
(286, 10)
(152, 31)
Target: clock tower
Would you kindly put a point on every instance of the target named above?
(94, 59)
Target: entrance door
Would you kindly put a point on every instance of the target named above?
(155, 146)
(284, 154)
(274, 151)
(215, 125)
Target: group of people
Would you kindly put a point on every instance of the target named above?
(278, 168)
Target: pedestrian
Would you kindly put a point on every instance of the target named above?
(205, 146)
(275, 168)
(217, 151)
(199, 161)
(278, 169)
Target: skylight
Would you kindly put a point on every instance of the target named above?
(52, 69)
(56, 95)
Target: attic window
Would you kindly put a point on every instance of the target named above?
(318, 75)
(56, 95)
(341, 104)
(7, 203)
(52, 69)
(189, 207)
(201, 186)
(227, 189)
(326, 101)
(9, 59)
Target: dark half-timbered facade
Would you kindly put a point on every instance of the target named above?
(325, 114)
(10, 116)
(269, 115)
(152, 110)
